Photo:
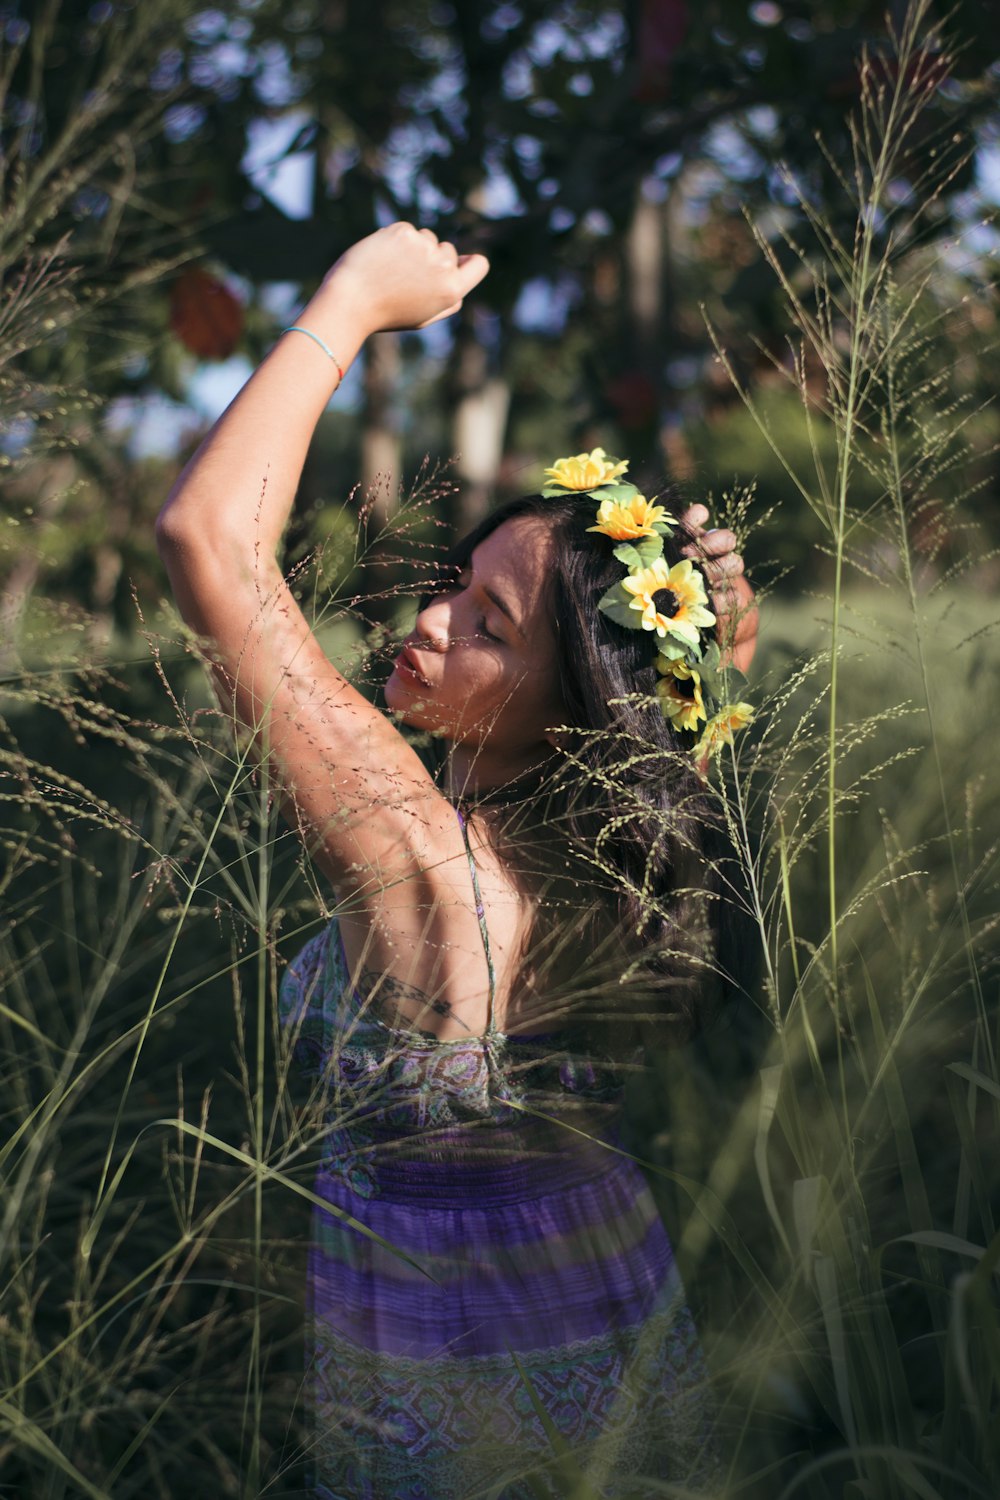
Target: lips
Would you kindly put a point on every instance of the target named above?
(408, 664)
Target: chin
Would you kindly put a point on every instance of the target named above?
(410, 706)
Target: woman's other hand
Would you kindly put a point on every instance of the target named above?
(402, 277)
(732, 598)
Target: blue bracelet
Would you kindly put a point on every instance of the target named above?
(317, 340)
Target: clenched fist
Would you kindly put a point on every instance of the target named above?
(402, 277)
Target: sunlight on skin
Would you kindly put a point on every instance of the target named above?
(485, 676)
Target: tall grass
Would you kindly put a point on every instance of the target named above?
(79, 233)
(824, 1156)
(869, 1128)
(157, 1168)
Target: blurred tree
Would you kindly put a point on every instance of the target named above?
(601, 154)
(577, 145)
(87, 230)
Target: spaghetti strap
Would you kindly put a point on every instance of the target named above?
(481, 914)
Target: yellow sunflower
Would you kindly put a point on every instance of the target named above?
(722, 726)
(672, 600)
(585, 471)
(682, 711)
(625, 520)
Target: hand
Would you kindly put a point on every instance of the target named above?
(732, 598)
(401, 277)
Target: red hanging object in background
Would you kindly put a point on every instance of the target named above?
(660, 31)
(204, 314)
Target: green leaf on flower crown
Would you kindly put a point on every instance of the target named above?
(649, 549)
(673, 650)
(709, 670)
(722, 682)
(628, 553)
(712, 666)
(639, 554)
(615, 604)
(618, 489)
(664, 528)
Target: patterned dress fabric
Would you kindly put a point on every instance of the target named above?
(494, 1300)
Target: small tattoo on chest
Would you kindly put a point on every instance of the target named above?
(401, 1000)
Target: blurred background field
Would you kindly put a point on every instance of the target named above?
(682, 274)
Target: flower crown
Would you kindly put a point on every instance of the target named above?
(672, 602)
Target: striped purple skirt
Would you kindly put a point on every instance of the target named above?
(495, 1308)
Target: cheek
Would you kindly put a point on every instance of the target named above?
(477, 666)
(535, 699)
(539, 679)
(484, 690)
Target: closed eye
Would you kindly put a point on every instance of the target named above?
(456, 583)
(464, 581)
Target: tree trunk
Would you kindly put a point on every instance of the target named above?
(641, 384)
(676, 242)
(381, 461)
(647, 406)
(480, 402)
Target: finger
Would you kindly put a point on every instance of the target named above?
(721, 578)
(715, 543)
(448, 252)
(739, 634)
(471, 270)
(718, 543)
(428, 234)
(730, 566)
(695, 517)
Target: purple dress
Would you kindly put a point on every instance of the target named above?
(516, 1296)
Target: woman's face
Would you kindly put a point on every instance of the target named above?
(480, 662)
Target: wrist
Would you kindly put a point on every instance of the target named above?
(341, 313)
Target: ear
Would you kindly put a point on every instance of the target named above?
(559, 739)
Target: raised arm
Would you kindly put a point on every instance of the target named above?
(365, 803)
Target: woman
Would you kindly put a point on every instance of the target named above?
(492, 1282)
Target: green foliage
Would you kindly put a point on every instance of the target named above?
(640, 554)
(616, 604)
(84, 243)
(83, 240)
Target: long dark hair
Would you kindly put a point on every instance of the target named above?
(627, 833)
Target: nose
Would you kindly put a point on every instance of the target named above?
(431, 625)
